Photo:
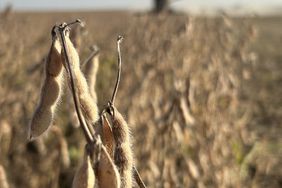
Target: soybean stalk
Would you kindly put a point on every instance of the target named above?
(62, 28)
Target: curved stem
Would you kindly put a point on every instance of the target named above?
(94, 51)
(82, 122)
(119, 40)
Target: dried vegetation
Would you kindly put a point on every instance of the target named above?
(189, 93)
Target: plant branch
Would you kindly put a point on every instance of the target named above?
(86, 131)
(94, 51)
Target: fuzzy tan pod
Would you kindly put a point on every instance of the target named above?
(51, 92)
(107, 137)
(107, 173)
(3, 178)
(84, 176)
(88, 105)
(123, 155)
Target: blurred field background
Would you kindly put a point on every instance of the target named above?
(202, 96)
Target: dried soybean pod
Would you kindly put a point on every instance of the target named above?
(75, 36)
(91, 69)
(50, 93)
(107, 173)
(123, 156)
(84, 176)
(88, 106)
(3, 178)
(107, 135)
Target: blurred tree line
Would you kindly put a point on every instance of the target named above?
(160, 5)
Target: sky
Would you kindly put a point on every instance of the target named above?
(137, 4)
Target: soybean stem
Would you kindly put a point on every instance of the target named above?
(84, 127)
(119, 40)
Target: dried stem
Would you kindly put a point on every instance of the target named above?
(138, 178)
(62, 28)
(119, 40)
(77, 21)
(94, 51)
